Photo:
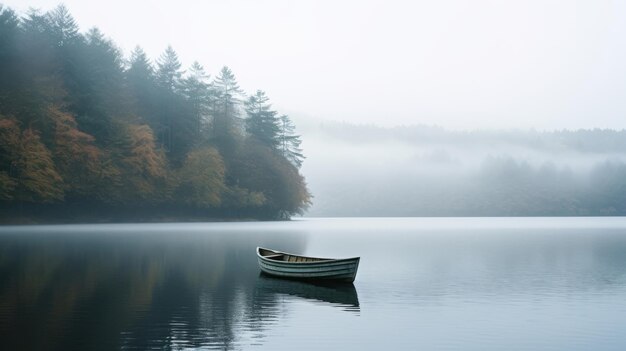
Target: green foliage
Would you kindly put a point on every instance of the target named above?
(7, 185)
(82, 128)
(202, 179)
(289, 142)
(262, 123)
(168, 73)
(198, 93)
(260, 169)
(226, 129)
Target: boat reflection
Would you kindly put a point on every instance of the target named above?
(342, 295)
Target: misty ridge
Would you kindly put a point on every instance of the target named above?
(365, 170)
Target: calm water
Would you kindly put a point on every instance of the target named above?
(458, 284)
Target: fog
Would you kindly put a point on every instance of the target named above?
(454, 63)
(357, 170)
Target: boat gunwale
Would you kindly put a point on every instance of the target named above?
(321, 259)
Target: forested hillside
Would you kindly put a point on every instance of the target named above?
(86, 133)
(361, 170)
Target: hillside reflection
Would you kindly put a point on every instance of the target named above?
(137, 290)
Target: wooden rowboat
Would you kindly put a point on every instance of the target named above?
(286, 265)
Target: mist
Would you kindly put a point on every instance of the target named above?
(454, 63)
(360, 170)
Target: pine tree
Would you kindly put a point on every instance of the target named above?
(262, 123)
(197, 92)
(63, 27)
(290, 142)
(175, 117)
(141, 83)
(9, 60)
(228, 98)
(168, 73)
(99, 93)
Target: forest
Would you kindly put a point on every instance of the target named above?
(87, 134)
(419, 170)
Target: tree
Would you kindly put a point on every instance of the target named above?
(10, 146)
(197, 92)
(27, 170)
(260, 169)
(9, 59)
(175, 120)
(202, 179)
(99, 95)
(168, 74)
(289, 142)
(61, 30)
(38, 177)
(143, 166)
(141, 82)
(262, 123)
(63, 27)
(140, 73)
(228, 96)
(79, 161)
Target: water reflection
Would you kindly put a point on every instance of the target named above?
(343, 296)
(465, 284)
(131, 288)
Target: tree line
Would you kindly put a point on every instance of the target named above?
(84, 130)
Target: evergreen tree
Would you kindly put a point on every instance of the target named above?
(225, 120)
(262, 123)
(168, 73)
(175, 116)
(99, 86)
(289, 142)
(140, 69)
(63, 27)
(141, 83)
(9, 59)
(197, 92)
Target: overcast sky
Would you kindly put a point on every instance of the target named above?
(547, 64)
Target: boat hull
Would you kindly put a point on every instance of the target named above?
(328, 270)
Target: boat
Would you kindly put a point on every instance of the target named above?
(291, 266)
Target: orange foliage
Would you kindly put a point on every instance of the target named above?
(39, 180)
(144, 166)
(78, 159)
(144, 157)
(29, 173)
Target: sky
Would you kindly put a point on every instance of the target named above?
(543, 64)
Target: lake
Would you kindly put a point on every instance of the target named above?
(423, 283)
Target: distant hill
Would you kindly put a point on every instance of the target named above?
(365, 170)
